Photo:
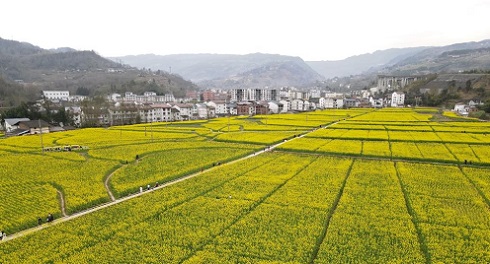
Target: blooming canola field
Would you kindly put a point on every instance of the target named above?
(346, 186)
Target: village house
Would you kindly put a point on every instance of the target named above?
(262, 108)
(34, 126)
(245, 108)
(397, 99)
(297, 105)
(349, 103)
(273, 107)
(286, 106)
(333, 103)
(13, 123)
(461, 108)
(185, 110)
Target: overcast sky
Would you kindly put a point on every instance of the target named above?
(310, 29)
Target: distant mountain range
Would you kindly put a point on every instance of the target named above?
(446, 59)
(227, 71)
(68, 69)
(410, 61)
(258, 70)
(363, 63)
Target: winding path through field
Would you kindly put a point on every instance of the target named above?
(106, 184)
(62, 202)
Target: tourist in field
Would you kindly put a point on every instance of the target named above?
(39, 221)
(141, 189)
(148, 187)
(50, 218)
(156, 184)
(3, 236)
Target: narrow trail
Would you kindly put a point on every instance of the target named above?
(106, 182)
(62, 203)
(106, 185)
(135, 195)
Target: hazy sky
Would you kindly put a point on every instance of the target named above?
(310, 29)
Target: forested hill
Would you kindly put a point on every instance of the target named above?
(24, 61)
(32, 69)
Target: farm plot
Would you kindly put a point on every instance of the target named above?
(304, 144)
(453, 217)
(287, 226)
(371, 222)
(264, 138)
(168, 165)
(79, 180)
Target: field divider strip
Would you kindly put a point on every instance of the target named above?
(480, 192)
(373, 157)
(411, 212)
(335, 204)
(474, 153)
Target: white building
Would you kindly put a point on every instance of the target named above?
(306, 106)
(148, 97)
(185, 110)
(201, 111)
(334, 103)
(318, 103)
(334, 95)
(250, 94)
(286, 106)
(461, 108)
(220, 107)
(376, 102)
(76, 114)
(397, 99)
(77, 98)
(273, 107)
(297, 105)
(163, 112)
(56, 95)
(315, 94)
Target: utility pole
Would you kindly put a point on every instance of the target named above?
(41, 135)
(229, 114)
(151, 126)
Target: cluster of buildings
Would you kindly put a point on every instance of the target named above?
(130, 108)
(464, 109)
